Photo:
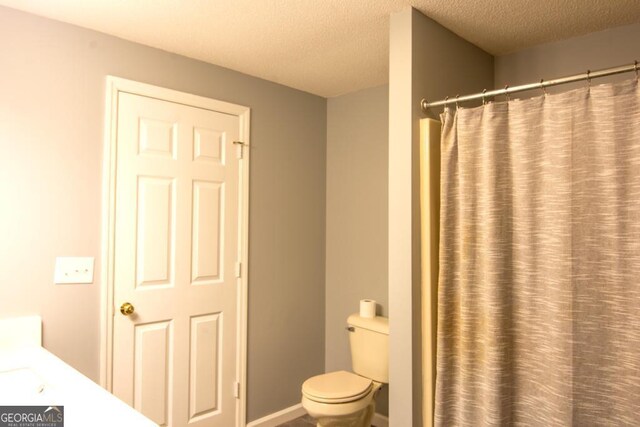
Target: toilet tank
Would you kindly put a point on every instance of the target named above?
(369, 340)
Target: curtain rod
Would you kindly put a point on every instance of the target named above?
(542, 84)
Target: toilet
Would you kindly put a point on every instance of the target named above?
(347, 399)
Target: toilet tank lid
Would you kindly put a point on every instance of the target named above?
(377, 324)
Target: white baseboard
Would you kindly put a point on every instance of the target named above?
(380, 420)
(279, 417)
(295, 411)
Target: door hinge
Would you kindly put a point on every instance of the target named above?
(238, 270)
(236, 390)
(240, 149)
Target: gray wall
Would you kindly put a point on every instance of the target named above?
(356, 245)
(604, 49)
(51, 139)
(426, 61)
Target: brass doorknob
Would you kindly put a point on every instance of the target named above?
(127, 309)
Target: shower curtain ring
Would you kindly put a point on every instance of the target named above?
(457, 96)
(484, 91)
(635, 68)
(589, 78)
(506, 92)
(542, 86)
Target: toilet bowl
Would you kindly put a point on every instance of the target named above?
(340, 399)
(346, 399)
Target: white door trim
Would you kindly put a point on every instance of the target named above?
(115, 85)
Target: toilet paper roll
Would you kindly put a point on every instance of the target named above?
(367, 308)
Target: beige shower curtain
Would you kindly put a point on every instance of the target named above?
(539, 284)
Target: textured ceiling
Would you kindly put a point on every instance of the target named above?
(326, 47)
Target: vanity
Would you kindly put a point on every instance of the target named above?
(32, 376)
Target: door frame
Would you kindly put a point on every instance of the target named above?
(115, 85)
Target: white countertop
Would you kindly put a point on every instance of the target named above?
(31, 375)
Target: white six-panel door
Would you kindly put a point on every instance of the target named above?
(176, 246)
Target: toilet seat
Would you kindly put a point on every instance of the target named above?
(336, 387)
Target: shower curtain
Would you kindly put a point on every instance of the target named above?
(539, 283)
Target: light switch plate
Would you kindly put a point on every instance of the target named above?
(73, 270)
